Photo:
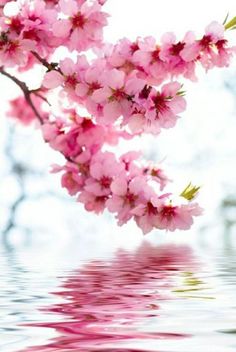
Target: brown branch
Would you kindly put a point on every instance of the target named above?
(27, 93)
(50, 66)
(36, 92)
(28, 99)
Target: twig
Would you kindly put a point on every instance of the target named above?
(25, 90)
(50, 66)
(35, 92)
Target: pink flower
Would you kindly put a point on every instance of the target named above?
(118, 91)
(103, 169)
(172, 217)
(215, 31)
(116, 95)
(71, 180)
(51, 3)
(124, 198)
(92, 81)
(53, 79)
(129, 161)
(13, 51)
(222, 55)
(171, 54)
(145, 213)
(138, 123)
(83, 28)
(120, 56)
(162, 107)
(90, 135)
(170, 50)
(69, 76)
(34, 22)
(50, 129)
(93, 202)
(55, 134)
(22, 112)
(28, 30)
(158, 175)
(210, 50)
(148, 57)
(191, 50)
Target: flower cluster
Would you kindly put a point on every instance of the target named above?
(128, 89)
(101, 180)
(42, 26)
(22, 111)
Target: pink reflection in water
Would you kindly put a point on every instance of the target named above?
(108, 304)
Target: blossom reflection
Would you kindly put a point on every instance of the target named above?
(109, 305)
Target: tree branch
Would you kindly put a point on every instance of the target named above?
(50, 66)
(27, 93)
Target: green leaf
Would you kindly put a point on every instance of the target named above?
(190, 192)
(226, 18)
(231, 24)
(181, 93)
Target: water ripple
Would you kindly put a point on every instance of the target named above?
(152, 299)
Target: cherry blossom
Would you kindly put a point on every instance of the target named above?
(103, 169)
(163, 107)
(116, 95)
(83, 27)
(124, 198)
(21, 111)
(122, 91)
(172, 217)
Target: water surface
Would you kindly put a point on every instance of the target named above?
(162, 298)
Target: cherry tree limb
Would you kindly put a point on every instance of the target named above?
(27, 93)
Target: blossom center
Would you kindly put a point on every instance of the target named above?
(100, 199)
(177, 48)
(118, 95)
(127, 67)
(93, 86)
(78, 21)
(221, 44)
(130, 198)
(155, 172)
(134, 47)
(15, 25)
(205, 41)
(84, 169)
(151, 210)
(155, 55)
(71, 81)
(105, 181)
(12, 47)
(160, 103)
(145, 92)
(168, 211)
(31, 34)
(87, 124)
